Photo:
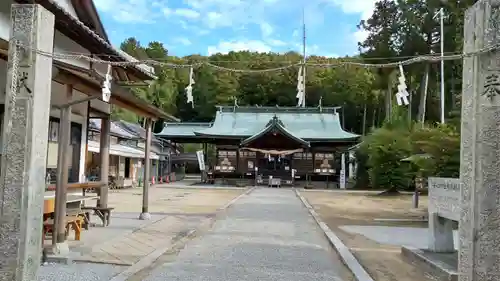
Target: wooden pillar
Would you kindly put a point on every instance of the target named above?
(147, 167)
(104, 157)
(25, 140)
(59, 239)
(205, 153)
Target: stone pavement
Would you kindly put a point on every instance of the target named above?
(174, 212)
(266, 235)
(129, 247)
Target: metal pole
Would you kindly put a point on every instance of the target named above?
(441, 11)
(304, 55)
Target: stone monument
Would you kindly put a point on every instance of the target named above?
(479, 232)
(25, 136)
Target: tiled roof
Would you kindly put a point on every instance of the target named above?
(310, 124)
(116, 130)
(135, 129)
(183, 129)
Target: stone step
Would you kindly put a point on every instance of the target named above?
(438, 266)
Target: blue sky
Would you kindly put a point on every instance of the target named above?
(209, 26)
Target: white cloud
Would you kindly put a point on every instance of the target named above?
(244, 45)
(229, 13)
(128, 11)
(276, 42)
(266, 29)
(215, 19)
(187, 13)
(360, 35)
(182, 40)
(363, 7)
(166, 11)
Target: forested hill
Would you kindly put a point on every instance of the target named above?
(397, 30)
(349, 86)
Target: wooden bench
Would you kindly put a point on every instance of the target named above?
(103, 213)
(74, 222)
(78, 212)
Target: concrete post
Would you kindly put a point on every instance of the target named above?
(479, 249)
(104, 154)
(59, 246)
(147, 167)
(441, 234)
(25, 139)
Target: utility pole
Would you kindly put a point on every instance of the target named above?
(304, 54)
(441, 23)
(442, 65)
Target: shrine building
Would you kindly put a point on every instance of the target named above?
(292, 144)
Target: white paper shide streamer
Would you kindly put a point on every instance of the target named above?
(300, 87)
(189, 88)
(106, 85)
(402, 95)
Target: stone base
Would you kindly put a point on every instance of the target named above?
(57, 254)
(145, 216)
(59, 249)
(441, 266)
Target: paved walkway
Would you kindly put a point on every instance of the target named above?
(266, 235)
(129, 248)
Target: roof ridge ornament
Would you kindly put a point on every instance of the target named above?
(275, 121)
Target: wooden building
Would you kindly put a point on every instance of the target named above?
(288, 143)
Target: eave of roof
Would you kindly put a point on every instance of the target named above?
(84, 36)
(275, 125)
(120, 96)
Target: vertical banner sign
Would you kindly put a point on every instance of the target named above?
(201, 160)
(342, 172)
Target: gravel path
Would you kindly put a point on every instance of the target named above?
(78, 272)
(266, 235)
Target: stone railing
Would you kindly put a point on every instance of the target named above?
(444, 208)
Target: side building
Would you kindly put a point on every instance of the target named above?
(289, 143)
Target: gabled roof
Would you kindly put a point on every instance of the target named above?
(183, 129)
(309, 124)
(275, 126)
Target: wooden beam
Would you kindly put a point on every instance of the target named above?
(90, 89)
(118, 102)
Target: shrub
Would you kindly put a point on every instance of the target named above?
(385, 149)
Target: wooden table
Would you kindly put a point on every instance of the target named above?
(72, 201)
(78, 185)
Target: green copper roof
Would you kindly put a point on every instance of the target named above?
(315, 124)
(183, 129)
(275, 125)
